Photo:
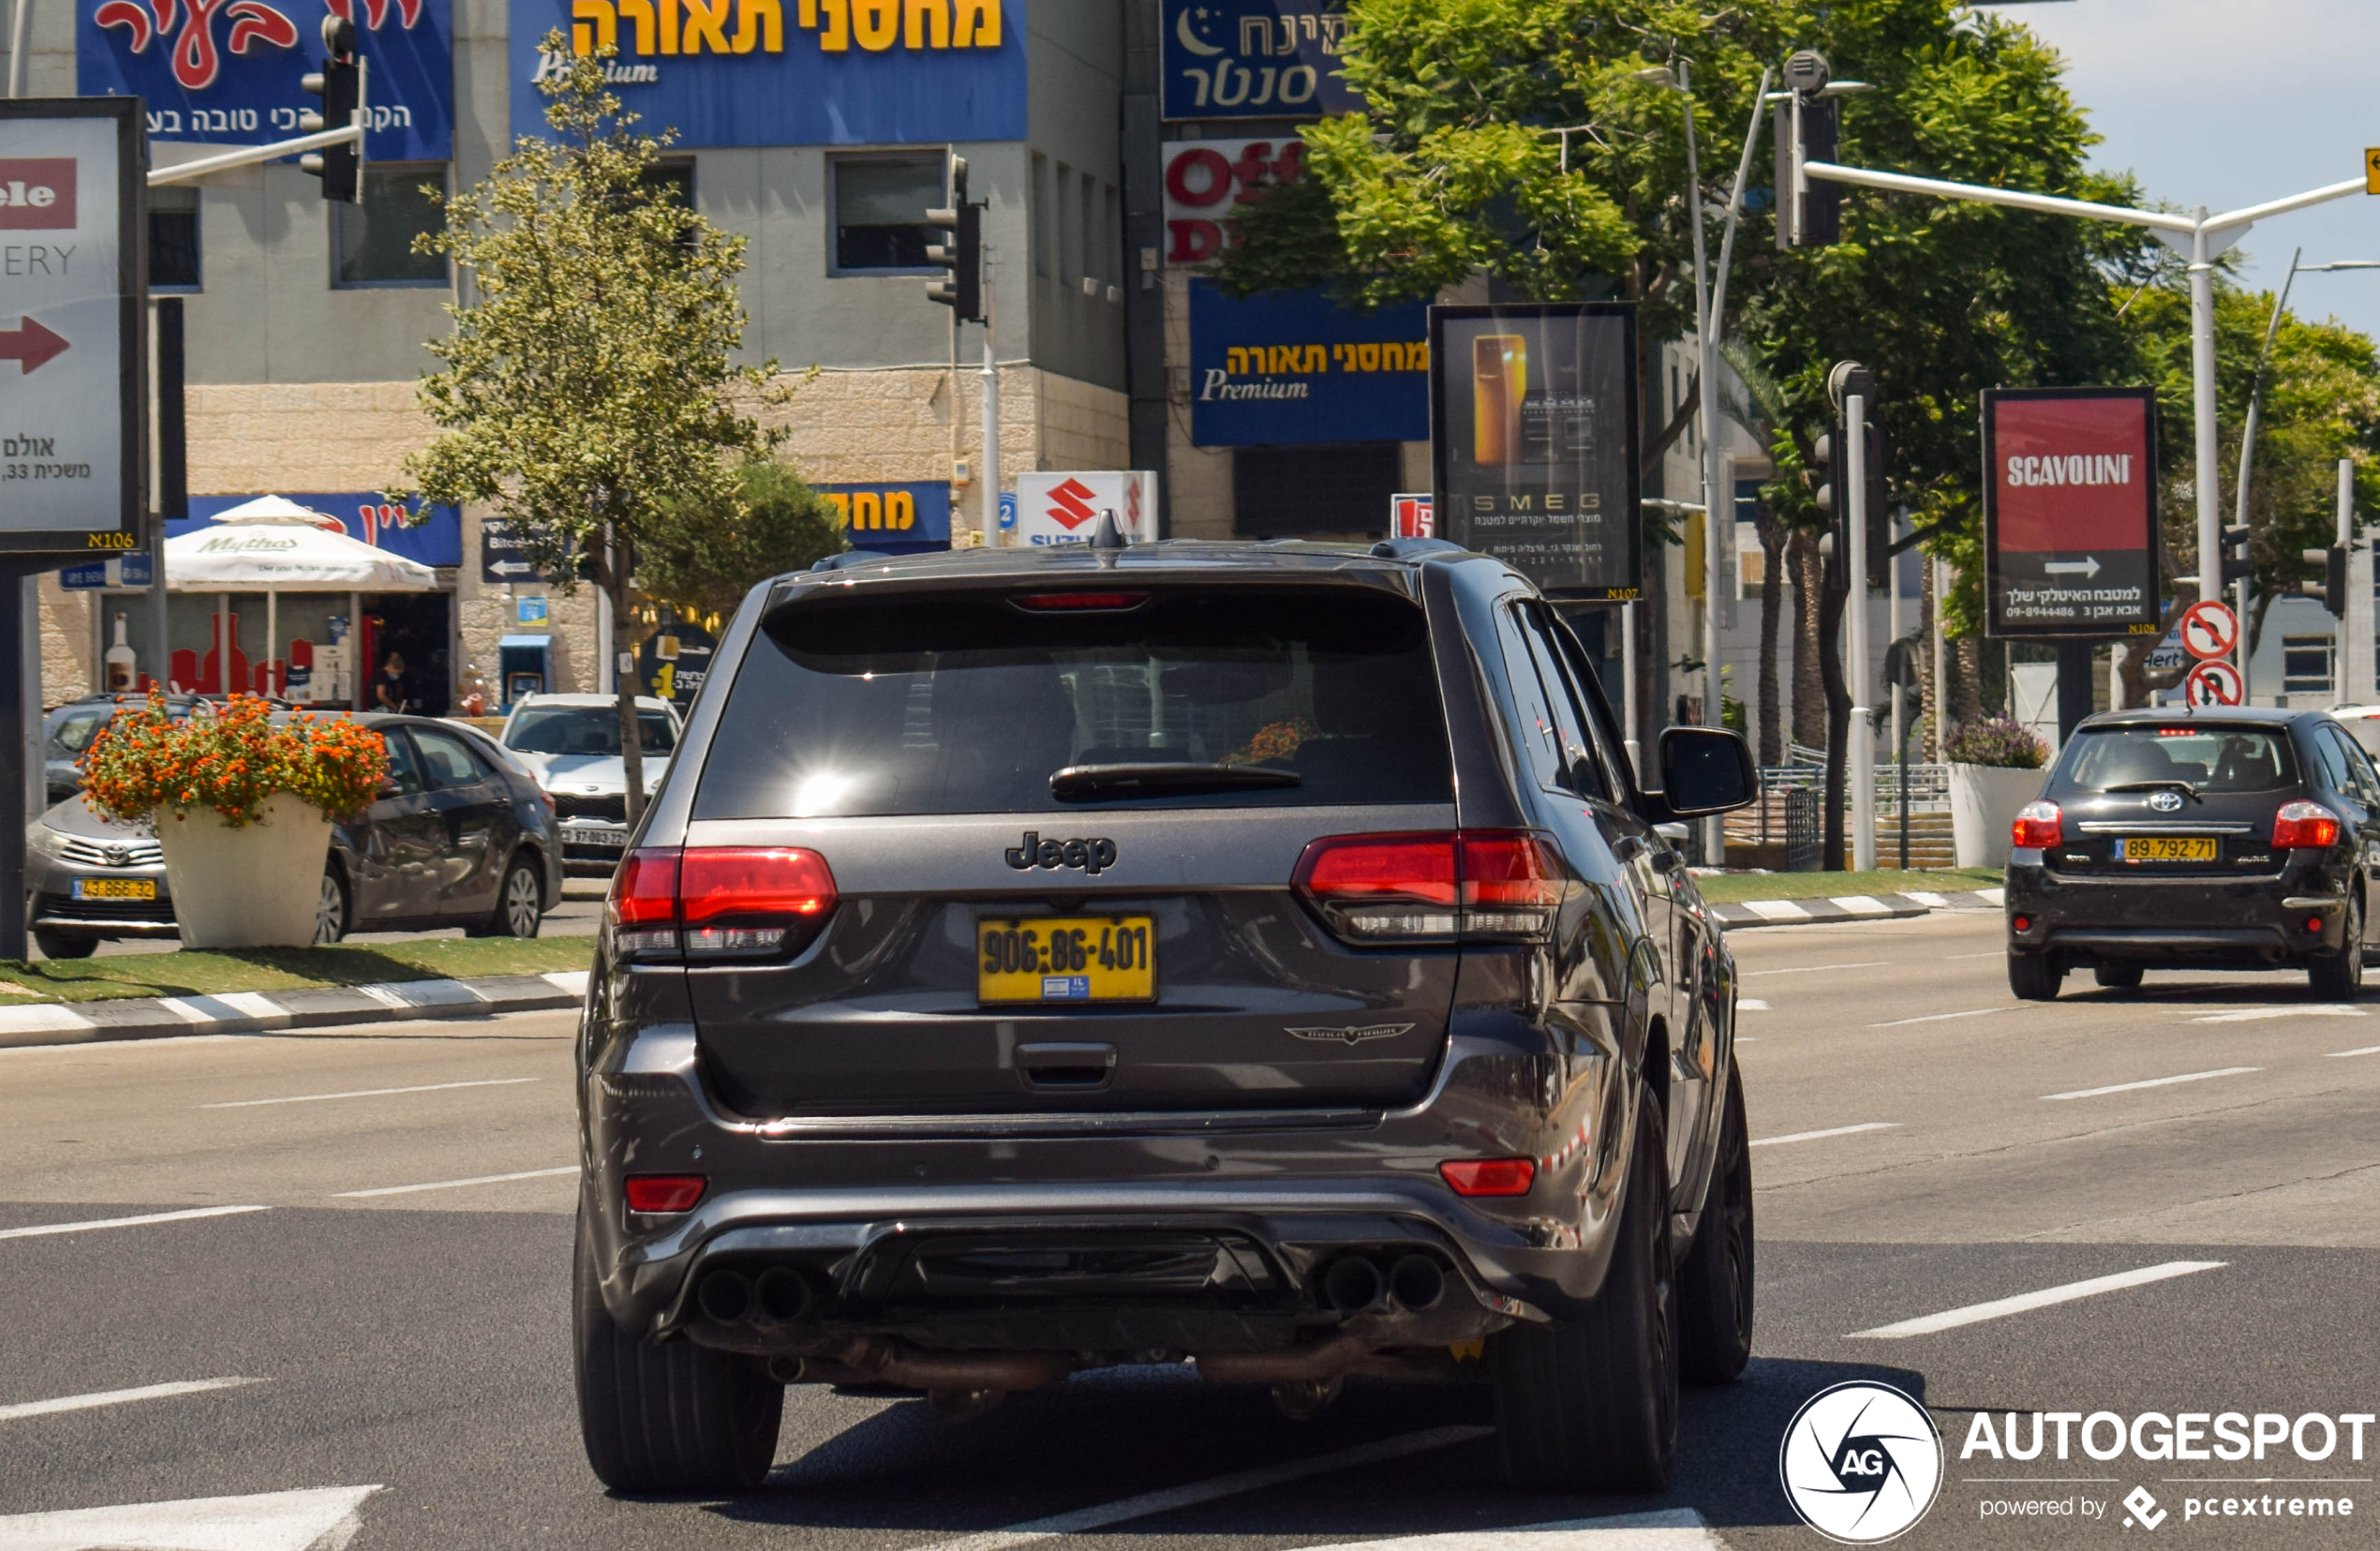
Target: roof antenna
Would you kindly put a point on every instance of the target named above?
(1107, 535)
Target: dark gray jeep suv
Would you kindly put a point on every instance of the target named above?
(1259, 955)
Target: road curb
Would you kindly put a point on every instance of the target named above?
(1851, 908)
(258, 1012)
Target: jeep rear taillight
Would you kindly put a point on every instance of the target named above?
(1443, 886)
(2304, 827)
(2039, 826)
(719, 902)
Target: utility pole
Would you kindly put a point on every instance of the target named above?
(1862, 748)
(990, 376)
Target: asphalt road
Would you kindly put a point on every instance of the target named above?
(394, 1299)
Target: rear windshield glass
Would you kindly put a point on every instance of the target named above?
(2207, 759)
(584, 730)
(957, 704)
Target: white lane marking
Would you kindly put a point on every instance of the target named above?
(2155, 1082)
(456, 1183)
(1670, 1529)
(44, 1228)
(272, 1521)
(1995, 953)
(1833, 1131)
(369, 1093)
(1752, 1003)
(2368, 1049)
(1210, 1490)
(1941, 1017)
(118, 1397)
(2000, 1308)
(1813, 969)
(2259, 1014)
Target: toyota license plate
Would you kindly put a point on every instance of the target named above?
(1061, 959)
(2165, 848)
(115, 888)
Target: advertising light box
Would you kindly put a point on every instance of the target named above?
(1255, 59)
(2070, 510)
(1292, 366)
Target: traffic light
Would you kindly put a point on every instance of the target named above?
(341, 86)
(2236, 564)
(2332, 589)
(961, 251)
(1834, 491)
(1805, 131)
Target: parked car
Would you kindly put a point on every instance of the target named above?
(2239, 838)
(571, 742)
(1041, 960)
(459, 836)
(67, 731)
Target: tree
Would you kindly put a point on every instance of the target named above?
(778, 524)
(587, 392)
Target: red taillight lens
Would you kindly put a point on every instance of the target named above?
(2039, 826)
(2305, 825)
(730, 899)
(665, 1192)
(1471, 884)
(1489, 1176)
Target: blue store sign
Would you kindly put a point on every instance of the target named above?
(1292, 366)
(1255, 59)
(790, 73)
(898, 519)
(432, 535)
(227, 74)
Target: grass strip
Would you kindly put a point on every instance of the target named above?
(192, 972)
(1735, 888)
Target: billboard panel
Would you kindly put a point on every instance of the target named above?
(1255, 59)
(1533, 438)
(1062, 506)
(2070, 510)
(1291, 367)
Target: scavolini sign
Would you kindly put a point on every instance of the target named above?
(789, 72)
(2070, 510)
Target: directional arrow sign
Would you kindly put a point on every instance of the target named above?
(275, 1521)
(2086, 566)
(31, 345)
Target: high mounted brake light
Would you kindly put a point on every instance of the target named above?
(1443, 886)
(1047, 602)
(719, 902)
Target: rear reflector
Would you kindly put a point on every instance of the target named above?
(1489, 1176)
(730, 901)
(1466, 885)
(663, 1192)
(1044, 602)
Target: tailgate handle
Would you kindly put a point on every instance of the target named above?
(1066, 1064)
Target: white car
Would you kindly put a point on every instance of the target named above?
(571, 744)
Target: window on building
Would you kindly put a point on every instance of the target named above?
(1044, 213)
(1063, 232)
(674, 179)
(1111, 239)
(372, 242)
(1089, 226)
(174, 238)
(2305, 664)
(880, 212)
(1300, 492)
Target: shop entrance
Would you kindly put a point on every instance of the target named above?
(407, 659)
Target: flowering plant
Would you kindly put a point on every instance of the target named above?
(144, 761)
(1997, 740)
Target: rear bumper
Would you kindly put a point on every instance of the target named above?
(2189, 922)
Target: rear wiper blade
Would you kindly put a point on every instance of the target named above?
(2167, 784)
(1078, 783)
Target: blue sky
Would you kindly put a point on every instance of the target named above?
(2232, 103)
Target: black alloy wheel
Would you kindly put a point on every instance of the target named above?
(1714, 1285)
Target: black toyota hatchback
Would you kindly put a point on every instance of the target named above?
(1259, 956)
(2243, 838)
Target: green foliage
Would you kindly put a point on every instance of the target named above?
(587, 382)
(2000, 742)
(706, 559)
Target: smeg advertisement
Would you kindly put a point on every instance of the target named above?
(1533, 419)
(2070, 510)
(789, 72)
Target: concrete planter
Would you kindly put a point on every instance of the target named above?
(1983, 799)
(255, 887)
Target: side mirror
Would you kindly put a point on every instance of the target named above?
(1706, 770)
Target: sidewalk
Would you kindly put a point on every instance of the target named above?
(256, 1012)
(1851, 908)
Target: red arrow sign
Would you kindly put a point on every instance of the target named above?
(31, 345)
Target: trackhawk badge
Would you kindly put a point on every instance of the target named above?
(1355, 1035)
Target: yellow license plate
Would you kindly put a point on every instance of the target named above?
(1060, 959)
(2165, 848)
(115, 888)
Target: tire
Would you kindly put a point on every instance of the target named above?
(1714, 1285)
(2340, 977)
(666, 1417)
(2033, 977)
(64, 945)
(1591, 1404)
(520, 904)
(335, 911)
(2118, 977)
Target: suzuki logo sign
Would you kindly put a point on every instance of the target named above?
(1069, 505)
(1056, 506)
